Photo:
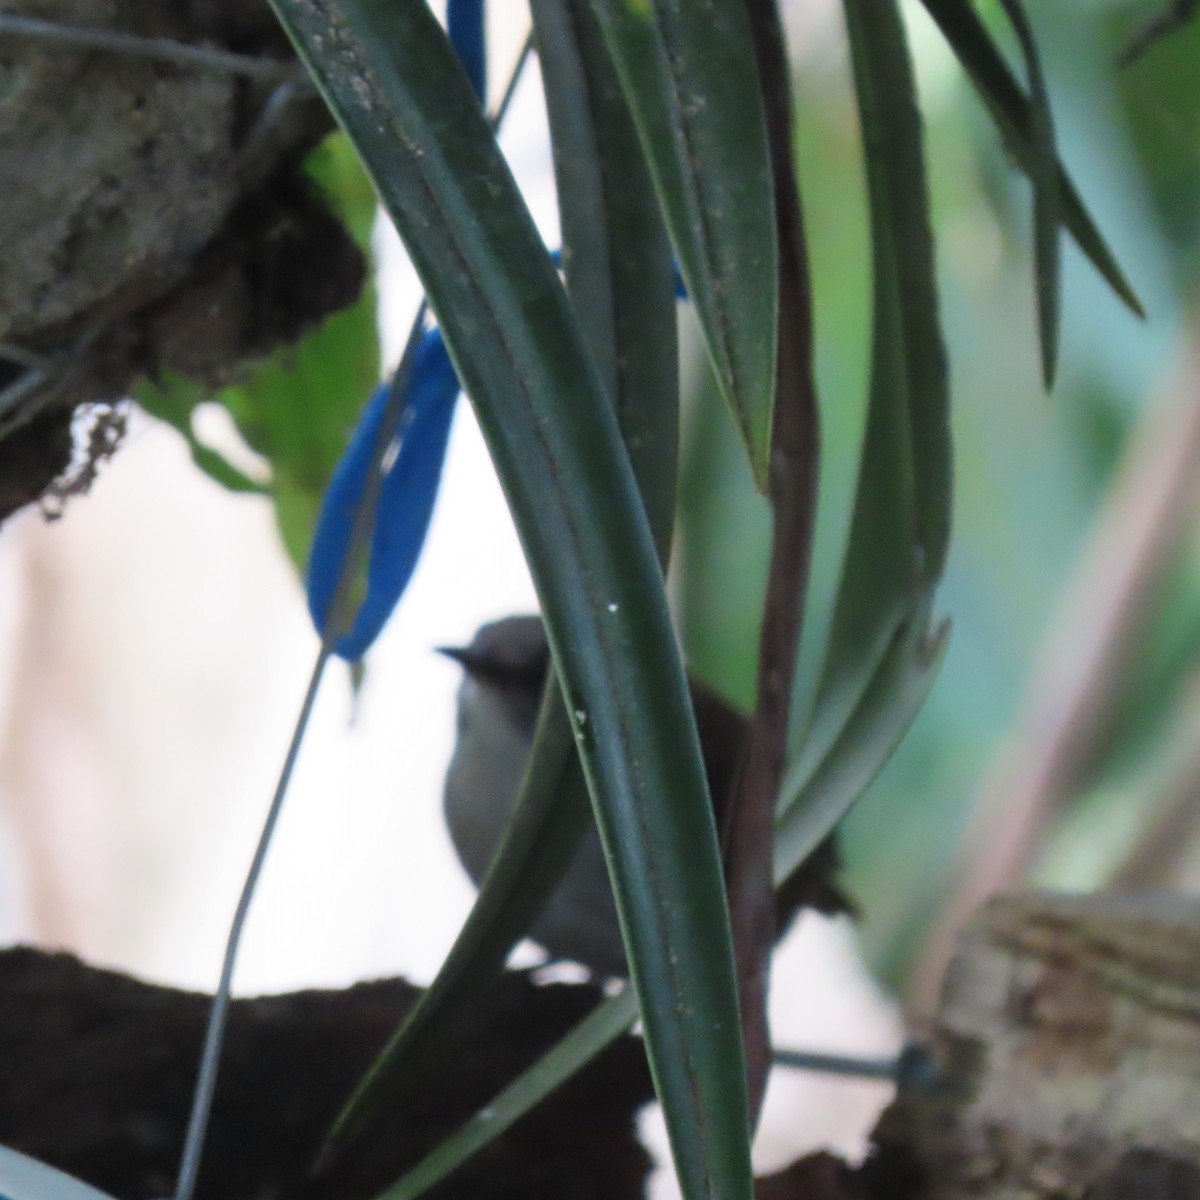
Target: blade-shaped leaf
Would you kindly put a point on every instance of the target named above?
(847, 672)
(690, 77)
(394, 83)
(595, 1033)
(1010, 108)
(616, 254)
(1043, 174)
(908, 355)
(25, 1178)
(621, 281)
(901, 521)
(816, 803)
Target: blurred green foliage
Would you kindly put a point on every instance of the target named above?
(298, 406)
(1031, 469)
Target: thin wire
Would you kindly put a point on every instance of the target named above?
(268, 118)
(161, 49)
(838, 1064)
(29, 359)
(24, 385)
(514, 79)
(913, 1069)
(210, 1058)
(13, 412)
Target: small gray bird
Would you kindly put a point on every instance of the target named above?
(506, 665)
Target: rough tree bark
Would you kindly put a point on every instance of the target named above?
(154, 217)
(1067, 1045)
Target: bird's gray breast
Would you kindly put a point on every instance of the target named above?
(484, 776)
(482, 784)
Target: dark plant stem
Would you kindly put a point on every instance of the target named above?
(749, 832)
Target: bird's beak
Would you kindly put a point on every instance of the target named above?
(461, 655)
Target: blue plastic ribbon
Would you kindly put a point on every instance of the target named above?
(464, 24)
(406, 498)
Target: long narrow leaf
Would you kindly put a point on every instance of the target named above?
(595, 1033)
(881, 562)
(872, 732)
(1043, 174)
(616, 253)
(25, 1178)
(620, 278)
(391, 77)
(908, 346)
(900, 525)
(690, 76)
(847, 672)
(1010, 108)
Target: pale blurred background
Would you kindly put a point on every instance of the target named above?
(159, 643)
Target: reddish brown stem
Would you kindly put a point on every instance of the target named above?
(749, 831)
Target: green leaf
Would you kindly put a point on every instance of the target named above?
(595, 1033)
(1043, 173)
(859, 640)
(337, 171)
(616, 253)
(173, 399)
(619, 276)
(908, 359)
(298, 406)
(821, 797)
(691, 79)
(299, 409)
(394, 83)
(1014, 116)
(900, 526)
(25, 1178)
